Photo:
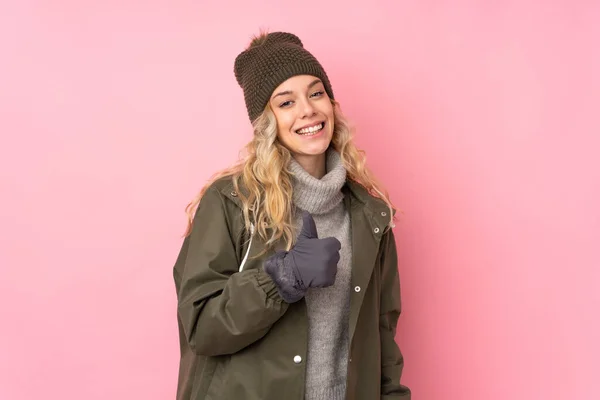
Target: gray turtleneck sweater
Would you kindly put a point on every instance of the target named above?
(328, 308)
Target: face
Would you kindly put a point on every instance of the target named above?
(304, 116)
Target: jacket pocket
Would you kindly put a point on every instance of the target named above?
(215, 388)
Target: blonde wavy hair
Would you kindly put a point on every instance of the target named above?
(264, 172)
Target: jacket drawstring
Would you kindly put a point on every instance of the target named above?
(249, 245)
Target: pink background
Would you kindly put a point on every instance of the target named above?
(481, 118)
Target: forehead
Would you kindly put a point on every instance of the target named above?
(295, 83)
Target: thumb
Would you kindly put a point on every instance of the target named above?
(309, 229)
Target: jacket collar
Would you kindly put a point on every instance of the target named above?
(360, 193)
(357, 197)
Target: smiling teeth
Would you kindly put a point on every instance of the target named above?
(311, 130)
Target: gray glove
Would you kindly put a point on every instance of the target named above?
(312, 262)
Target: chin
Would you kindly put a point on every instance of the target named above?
(314, 150)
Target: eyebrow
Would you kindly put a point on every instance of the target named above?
(313, 83)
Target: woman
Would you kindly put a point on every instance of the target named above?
(287, 279)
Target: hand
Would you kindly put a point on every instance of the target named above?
(312, 262)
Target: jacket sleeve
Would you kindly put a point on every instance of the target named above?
(221, 310)
(392, 361)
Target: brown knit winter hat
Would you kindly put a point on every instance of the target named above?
(268, 62)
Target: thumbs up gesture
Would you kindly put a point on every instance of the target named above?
(312, 262)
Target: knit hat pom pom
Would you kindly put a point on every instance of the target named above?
(275, 37)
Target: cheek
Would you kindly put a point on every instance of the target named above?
(331, 119)
(328, 111)
(284, 123)
(282, 131)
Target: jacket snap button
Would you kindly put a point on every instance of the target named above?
(376, 230)
(383, 213)
(234, 193)
(357, 289)
(297, 359)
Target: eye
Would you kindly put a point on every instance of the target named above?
(285, 104)
(317, 94)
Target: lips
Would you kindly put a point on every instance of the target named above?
(311, 129)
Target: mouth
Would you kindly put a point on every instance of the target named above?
(311, 130)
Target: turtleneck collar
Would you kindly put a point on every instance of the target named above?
(318, 196)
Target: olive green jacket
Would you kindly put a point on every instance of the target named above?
(240, 340)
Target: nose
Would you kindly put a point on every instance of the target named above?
(307, 109)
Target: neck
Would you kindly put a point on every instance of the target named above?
(319, 195)
(313, 164)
